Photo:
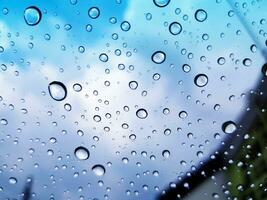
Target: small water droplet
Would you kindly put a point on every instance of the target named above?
(141, 113)
(166, 153)
(77, 87)
(201, 15)
(264, 69)
(161, 3)
(103, 57)
(133, 85)
(201, 80)
(12, 180)
(81, 153)
(125, 26)
(99, 170)
(186, 68)
(94, 12)
(3, 121)
(57, 90)
(183, 114)
(158, 57)
(67, 107)
(32, 15)
(132, 137)
(229, 127)
(175, 28)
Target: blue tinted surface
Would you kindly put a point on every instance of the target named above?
(121, 123)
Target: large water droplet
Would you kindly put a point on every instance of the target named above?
(3, 122)
(166, 153)
(81, 153)
(229, 127)
(133, 85)
(158, 57)
(201, 15)
(175, 28)
(247, 62)
(99, 170)
(125, 26)
(141, 113)
(12, 180)
(264, 69)
(161, 3)
(94, 12)
(32, 15)
(57, 90)
(201, 80)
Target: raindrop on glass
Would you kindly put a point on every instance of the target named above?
(99, 170)
(161, 3)
(166, 153)
(229, 127)
(175, 28)
(77, 87)
(81, 153)
(94, 12)
(125, 26)
(158, 57)
(201, 15)
(264, 69)
(141, 113)
(32, 15)
(133, 85)
(201, 80)
(12, 180)
(57, 90)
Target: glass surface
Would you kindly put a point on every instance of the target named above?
(119, 99)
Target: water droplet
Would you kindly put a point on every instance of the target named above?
(166, 111)
(103, 57)
(12, 180)
(215, 196)
(201, 80)
(32, 15)
(94, 12)
(125, 26)
(186, 68)
(125, 160)
(148, 16)
(175, 28)
(141, 113)
(156, 76)
(132, 137)
(97, 118)
(182, 114)
(229, 127)
(77, 87)
(3, 121)
(81, 49)
(158, 57)
(67, 107)
(247, 62)
(201, 15)
(89, 27)
(81, 153)
(221, 61)
(99, 170)
(133, 85)
(166, 153)
(264, 69)
(167, 131)
(57, 90)
(161, 3)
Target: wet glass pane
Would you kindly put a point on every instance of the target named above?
(132, 99)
